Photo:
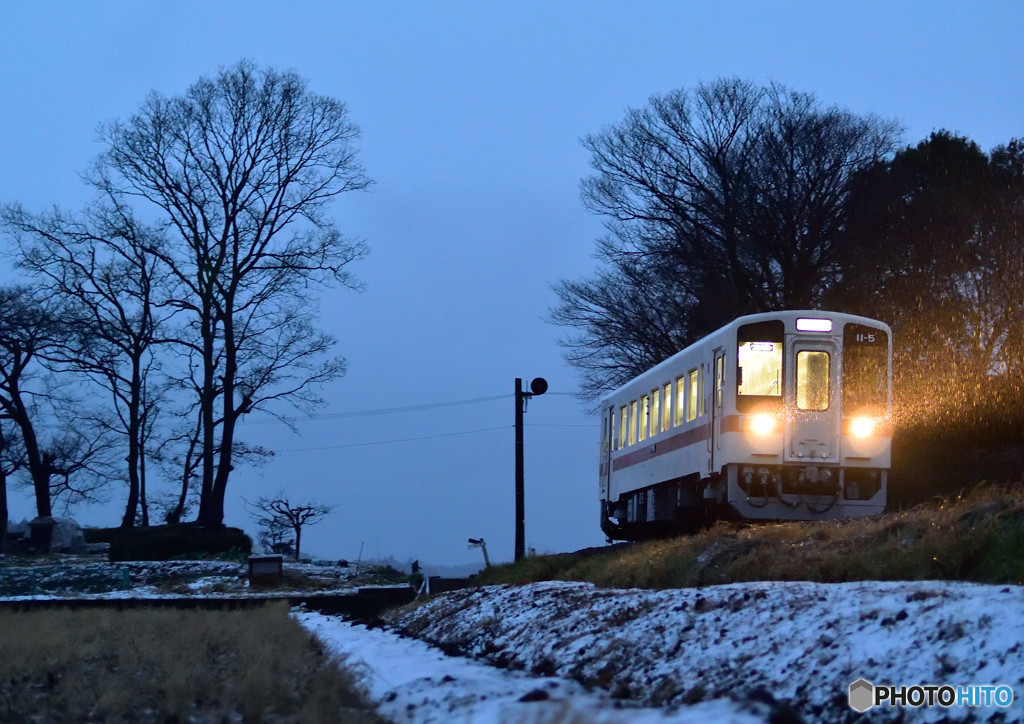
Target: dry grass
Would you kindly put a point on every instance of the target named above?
(163, 665)
(978, 537)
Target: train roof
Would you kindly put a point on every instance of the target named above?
(789, 315)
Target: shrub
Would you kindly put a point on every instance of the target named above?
(101, 535)
(166, 542)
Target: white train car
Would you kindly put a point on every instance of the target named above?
(776, 416)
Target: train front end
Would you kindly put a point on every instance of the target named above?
(804, 431)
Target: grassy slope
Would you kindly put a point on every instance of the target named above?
(170, 665)
(979, 537)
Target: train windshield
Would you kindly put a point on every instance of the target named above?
(865, 370)
(813, 380)
(759, 365)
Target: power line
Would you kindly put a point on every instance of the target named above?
(556, 424)
(427, 437)
(373, 413)
(403, 439)
(396, 410)
(384, 410)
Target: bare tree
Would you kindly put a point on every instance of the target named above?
(242, 167)
(5, 471)
(722, 200)
(25, 329)
(3, 503)
(116, 298)
(63, 454)
(180, 455)
(275, 515)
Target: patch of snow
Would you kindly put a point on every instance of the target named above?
(575, 652)
(411, 681)
(64, 578)
(795, 645)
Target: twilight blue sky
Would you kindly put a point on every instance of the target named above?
(471, 115)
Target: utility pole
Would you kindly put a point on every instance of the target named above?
(537, 387)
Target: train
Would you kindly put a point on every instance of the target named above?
(777, 416)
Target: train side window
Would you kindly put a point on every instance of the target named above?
(719, 379)
(703, 403)
(632, 422)
(812, 380)
(645, 416)
(680, 400)
(694, 396)
(623, 426)
(666, 408)
(655, 412)
(759, 365)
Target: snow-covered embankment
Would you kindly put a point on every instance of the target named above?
(799, 644)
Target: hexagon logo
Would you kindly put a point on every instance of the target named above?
(862, 695)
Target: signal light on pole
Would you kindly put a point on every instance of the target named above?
(538, 386)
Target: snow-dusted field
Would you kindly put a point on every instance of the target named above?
(74, 577)
(412, 681)
(741, 652)
(572, 652)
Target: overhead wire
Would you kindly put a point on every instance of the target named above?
(386, 410)
(405, 408)
(559, 424)
(403, 439)
(373, 413)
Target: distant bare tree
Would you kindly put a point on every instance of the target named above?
(275, 515)
(719, 201)
(242, 168)
(276, 535)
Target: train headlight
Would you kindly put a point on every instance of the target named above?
(762, 423)
(862, 427)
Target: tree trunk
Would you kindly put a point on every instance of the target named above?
(3, 511)
(41, 486)
(38, 463)
(209, 516)
(174, 515)
(132, 506)
(134, 427)
(229, 416)
(3, 499)
(143, 503)
(298, 539)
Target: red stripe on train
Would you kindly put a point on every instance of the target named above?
(663, 446)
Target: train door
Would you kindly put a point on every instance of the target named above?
(607, 443)
(812, 400)
(718, 389)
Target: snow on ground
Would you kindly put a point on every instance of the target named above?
(412, 681)
(739, 652)
(71, 576)
(572, 652)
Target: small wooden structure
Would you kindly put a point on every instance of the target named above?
(265, 569)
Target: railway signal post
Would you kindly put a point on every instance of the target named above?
(538, 386)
